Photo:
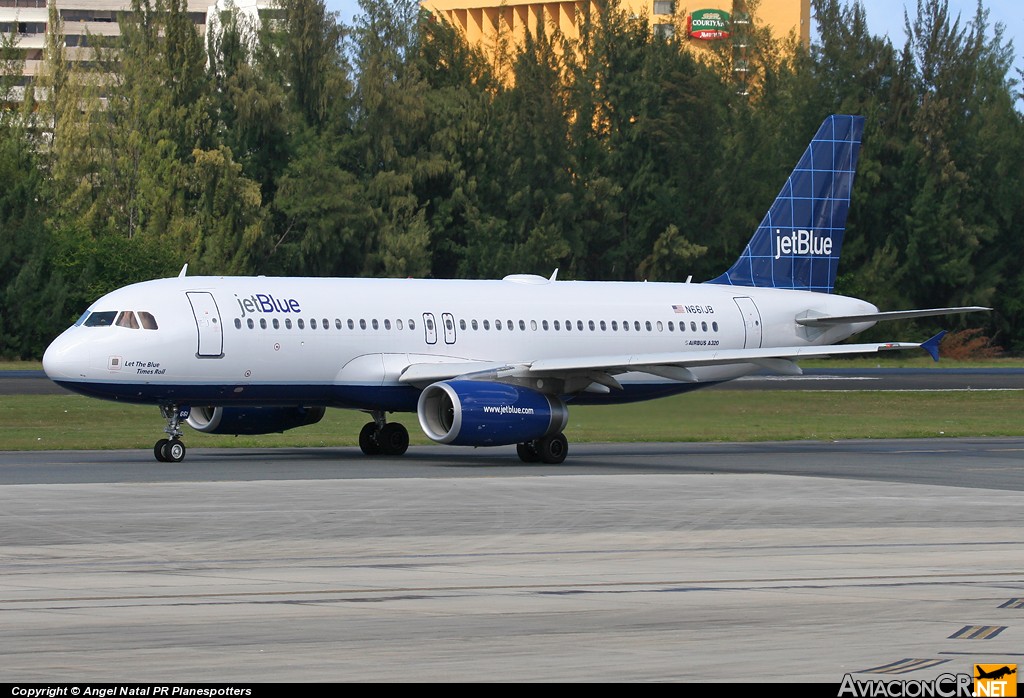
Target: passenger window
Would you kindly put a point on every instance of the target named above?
(238, 323)
(301, 324)
(287, 323)
(412, 324)
(522, 325)
(398, 324)
(387, 324)
(312, 323)
(487, 325)
(568, 325)
(714, 326)
(326, 325)
(351, 324)
(648, 325)
(636, 325)
(615, 326)
(376, 325)
(337, 324)
(671, 326)
(249, 323)
(263, 323)
(497, 325)
(533, 325)
(661, 327)
(147, 320)
(362, 324)
(544, 324)
(557, 326)
(693, 326)
(473, 324)
(462, 324)
(277, 324)
(704, 326)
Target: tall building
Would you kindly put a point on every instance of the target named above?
(28, 21)
(489, 23)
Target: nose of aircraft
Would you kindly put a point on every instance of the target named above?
(62, 358)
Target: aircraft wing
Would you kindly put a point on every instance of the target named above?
(776, 358)
(426, 373)
(825, 320)
(671, 365)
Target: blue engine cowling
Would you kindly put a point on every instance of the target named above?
(479, 413)
(252, 420)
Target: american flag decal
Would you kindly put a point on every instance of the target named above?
(678, 309)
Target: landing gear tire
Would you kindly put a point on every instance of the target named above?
(368, 442)
(393, 439)
(553, 449)
(528, 452)
(173, 451)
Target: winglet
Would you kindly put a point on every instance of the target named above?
(932, 345)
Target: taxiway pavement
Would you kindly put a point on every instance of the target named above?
(782, 562)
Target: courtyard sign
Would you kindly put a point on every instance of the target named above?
(709, 25)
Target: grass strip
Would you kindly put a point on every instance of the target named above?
(37, 422)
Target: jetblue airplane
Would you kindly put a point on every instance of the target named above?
(481, 363)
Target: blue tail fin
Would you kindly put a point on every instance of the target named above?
(797, 244)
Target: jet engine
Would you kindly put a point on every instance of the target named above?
(252, 420)
(479, 413)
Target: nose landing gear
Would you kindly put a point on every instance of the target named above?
(170, 450)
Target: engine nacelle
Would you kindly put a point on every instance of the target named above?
(252, 420)
(480, 413)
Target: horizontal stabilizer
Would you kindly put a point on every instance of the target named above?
(932, 345)
(891, 315)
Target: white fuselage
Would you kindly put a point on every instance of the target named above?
(346, 342)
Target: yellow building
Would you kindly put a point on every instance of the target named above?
(705, 22)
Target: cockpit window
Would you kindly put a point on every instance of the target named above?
(130, 319)
(103, 319)
(126, 318)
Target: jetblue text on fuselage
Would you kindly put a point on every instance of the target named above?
(801, 242)
(266, 303)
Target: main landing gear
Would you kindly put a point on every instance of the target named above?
(380, 438)
(170, 450)
(550, 449)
